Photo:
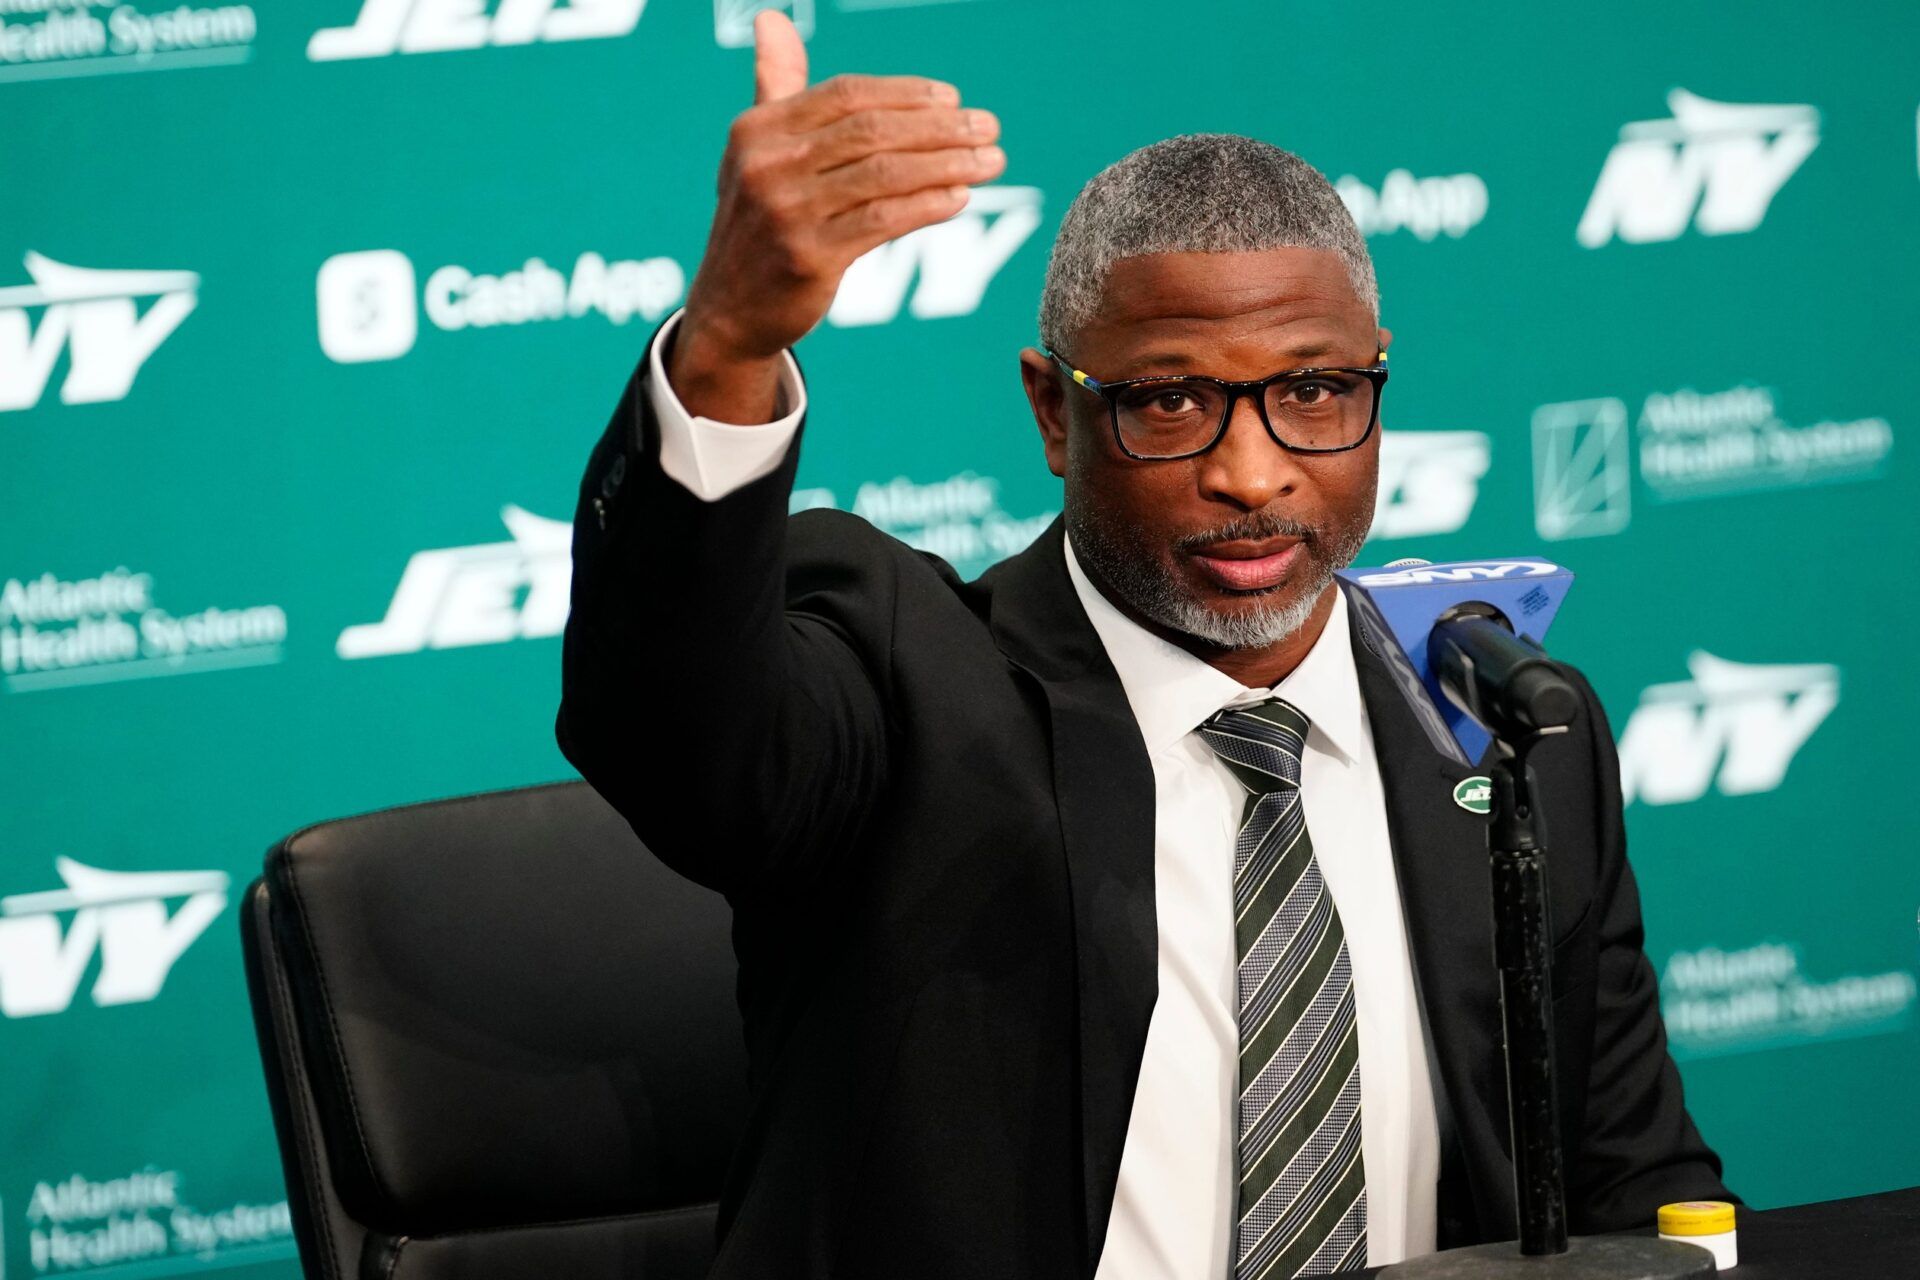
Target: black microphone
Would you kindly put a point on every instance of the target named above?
(1502, 680)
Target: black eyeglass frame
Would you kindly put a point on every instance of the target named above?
(1256, 389)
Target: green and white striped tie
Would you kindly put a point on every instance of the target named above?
(1302, 1201)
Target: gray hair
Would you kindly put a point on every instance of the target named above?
(1196, 193)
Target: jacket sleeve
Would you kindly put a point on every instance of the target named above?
(1640, 1148)
(724, 692)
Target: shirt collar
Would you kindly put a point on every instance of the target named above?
(1172, 692)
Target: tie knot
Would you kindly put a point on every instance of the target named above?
(1261, 742)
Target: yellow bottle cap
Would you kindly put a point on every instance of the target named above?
(1696, 1218)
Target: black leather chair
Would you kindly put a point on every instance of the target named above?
(500, 1040)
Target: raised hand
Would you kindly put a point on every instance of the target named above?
(812, 178)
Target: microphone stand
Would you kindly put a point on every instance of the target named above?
(1523, 952)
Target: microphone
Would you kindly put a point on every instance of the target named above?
(1500, 679)
(1462, 640)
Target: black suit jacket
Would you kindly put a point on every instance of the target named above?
(932, 812)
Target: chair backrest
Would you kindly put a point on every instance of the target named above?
(495, 1029)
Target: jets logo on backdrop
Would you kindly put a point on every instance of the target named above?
(1429, 481)
(437, 26)
(941, 270)
(1716, 165)
(122, 916)
(488, 594)
(1734, 727)
(109, 323)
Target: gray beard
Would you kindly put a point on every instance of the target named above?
(1145, 584)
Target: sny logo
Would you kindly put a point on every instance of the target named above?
(93, 315)
(1725, 160)
(488, 594)
(955, 261)
(434, 26)
(122, 915)
(1463, 571)
(1741, 722)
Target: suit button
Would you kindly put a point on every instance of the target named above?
(600, 512)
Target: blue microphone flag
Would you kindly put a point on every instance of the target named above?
(1406, 600)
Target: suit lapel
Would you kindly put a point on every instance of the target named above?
(1103, 784)
(1440, 859)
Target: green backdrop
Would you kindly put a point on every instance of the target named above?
(309, 314)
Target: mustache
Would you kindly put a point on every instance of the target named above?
(1251, 528)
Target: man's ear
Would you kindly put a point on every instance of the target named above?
(1047, 394)
(1385, 338)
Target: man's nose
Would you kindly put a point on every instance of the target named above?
(1248, 468)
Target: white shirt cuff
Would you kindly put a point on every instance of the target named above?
(710, 458)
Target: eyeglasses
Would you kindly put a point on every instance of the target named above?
(1320, 410)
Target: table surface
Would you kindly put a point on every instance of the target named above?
(1873, 1237)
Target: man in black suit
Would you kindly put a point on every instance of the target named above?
(1110, 915)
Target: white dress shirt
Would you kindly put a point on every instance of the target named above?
(1173, 1210)
(1174, 1207)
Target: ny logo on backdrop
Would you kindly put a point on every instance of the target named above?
(436, 26)
(1735, 726)
(1716, 165)
(121, 916)
(454, 596)
(93, 316)
(941, 270)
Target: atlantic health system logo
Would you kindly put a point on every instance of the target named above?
(108, 322)
(1719, 1002)
(57, 632)
(61, 39)
(1689, 445)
